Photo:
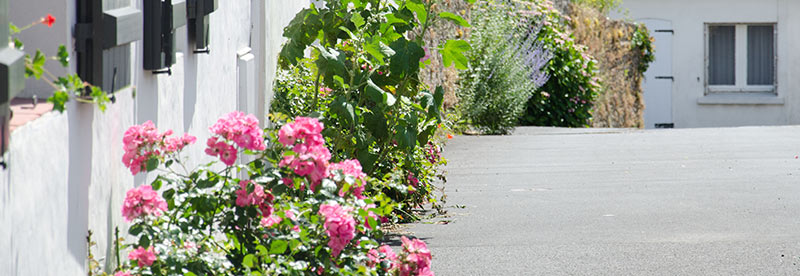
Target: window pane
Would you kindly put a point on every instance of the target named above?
(760, 55)
(722, 55)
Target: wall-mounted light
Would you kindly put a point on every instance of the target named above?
(161, 18)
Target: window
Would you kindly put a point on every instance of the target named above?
(741, 58)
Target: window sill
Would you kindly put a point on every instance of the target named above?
(741, 99)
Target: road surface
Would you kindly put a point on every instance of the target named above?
(550, 201)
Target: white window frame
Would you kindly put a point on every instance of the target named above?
(740, 62)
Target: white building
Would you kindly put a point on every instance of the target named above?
(721, 62)
(65, 175)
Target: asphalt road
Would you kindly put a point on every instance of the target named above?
(620, 202)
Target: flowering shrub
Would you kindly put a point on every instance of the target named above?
(289, 211)
(566, 98)
(505, 69)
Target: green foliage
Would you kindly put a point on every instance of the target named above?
(642, 43)
(604, 6)
(566, 99)
(497, 86)
(364, 83)
(65, 87)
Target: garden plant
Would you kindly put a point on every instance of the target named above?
(361, 80)
(290, 211)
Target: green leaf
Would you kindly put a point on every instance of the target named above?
(168, 194)
(453, 53)
(36, 66)
(434, 111)
(262, 251)
(144, 241)
(151, 164)
(378, 95)
(344, 110)
(59, 100)
(18, 44)
(63, 56)
(13, 29)
(156, 184)
(331, 62)
(249, 261)
(455, 18)
(100, 98)
(375, 122)
(135, 229)
(378, 50)
(278, 246)
(301, 32)
(405, 61)
(418, 8)
(357, 20)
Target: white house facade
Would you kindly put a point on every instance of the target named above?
(65, 175)
(721, 63)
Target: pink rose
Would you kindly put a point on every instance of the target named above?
(144, 257)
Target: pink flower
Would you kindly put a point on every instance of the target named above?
(228, 155)
(287, 181)
(307, 129)
(189, 245)
(384, 253)
(415, 258)
(174, 144)
(143, 142)
(144, 257)
(122, 273)
(352, 168)
(339, 225)
(270, 221)
(242, 129)
(244, 199)
(142, 201)
(412, 180)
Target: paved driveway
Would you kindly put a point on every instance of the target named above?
(621, 202)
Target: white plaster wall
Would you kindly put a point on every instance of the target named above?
(66, 176)
(688, 19)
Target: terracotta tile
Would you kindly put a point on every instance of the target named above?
(24, 111)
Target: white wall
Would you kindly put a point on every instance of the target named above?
(65, 173)
(688, 19)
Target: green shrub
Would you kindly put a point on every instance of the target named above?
(566, 99)
(505, 69)
(365, 86)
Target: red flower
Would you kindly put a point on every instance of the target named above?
(48, 20)
(449, 136)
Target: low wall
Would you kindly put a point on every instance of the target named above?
(65, 174)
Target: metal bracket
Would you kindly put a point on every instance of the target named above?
(665, 78)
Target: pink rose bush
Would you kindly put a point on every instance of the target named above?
(351, 168)
(142, 201)
(143, 142)
(268, 215)
(339, 225)
(234, 129)
(415, 258)
(310, 157)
